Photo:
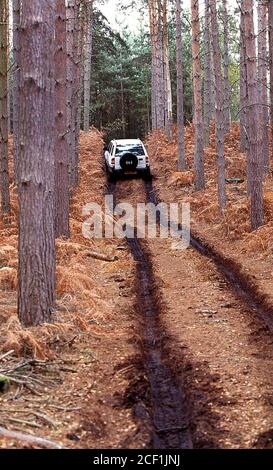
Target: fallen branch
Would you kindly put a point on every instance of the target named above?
(39, 441)
(101, 256)
(7, 354)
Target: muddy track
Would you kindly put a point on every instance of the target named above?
(239, 282)
(170, 420)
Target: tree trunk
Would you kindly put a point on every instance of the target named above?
(262, 80)
(160, 89)
(5, 196)
(157, 75)
(270, 27)
(72, 17)
(243, 91)
(152, 22)
(208, 84)
(226, 69)
(219, 107)
(167, 77)
(255, 136)
(87, 65)
(197, 87)
(181, 160)
(76, 103)
(61, 145)
(123, 119)
(36, 273)
(16, 83)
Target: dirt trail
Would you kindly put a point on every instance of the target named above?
(219, 349)
(169, 414)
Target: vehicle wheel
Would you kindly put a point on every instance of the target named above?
(128, 162)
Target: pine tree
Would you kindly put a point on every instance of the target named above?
(262, 79)
(182, 164)
(220, 122)
(87, 63)
(226, 97)
(61, 145)
(243, 90)
(255, 161)
(208, 80)
(16, 83)
(36, 273)
(4, 170)
(197, 93)
(270, 29)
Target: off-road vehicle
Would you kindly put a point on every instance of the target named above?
(126, 157)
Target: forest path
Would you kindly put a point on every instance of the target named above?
(219, 349)
(168, 403)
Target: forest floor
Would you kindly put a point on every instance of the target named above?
(119, 353)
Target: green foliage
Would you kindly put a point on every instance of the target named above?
(121, 74)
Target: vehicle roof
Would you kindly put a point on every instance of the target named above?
(127, 141)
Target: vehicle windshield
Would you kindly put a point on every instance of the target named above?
(136, 149)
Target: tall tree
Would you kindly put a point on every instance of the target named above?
(220, 123)
(226, 68)
(158, 88)
(182, 164)
(72, 15)
(270, 28)
(16, 83)
(61, 144)
(87, 63)
(255, 161)
(167, 78)
(208, 83)
(243, 90)
(197, 93)
(262, 79)
(5, 195)
(36, 292)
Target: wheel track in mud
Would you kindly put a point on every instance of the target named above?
(170, 417)
(240, 283)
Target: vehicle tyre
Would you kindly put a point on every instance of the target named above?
(128, 162)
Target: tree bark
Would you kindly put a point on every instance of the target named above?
(5, 195)
(226, 69)
(167, 77)
(72, 17)
(270, 28)
(181, 160)
(16, 83)
(87, 64)
(208, 84)
(255, 135)
(197, 87)
(158, 89)
(36, 273)
(152, 25)
(243, 91)
(61, 145)
(262, 80)
(219, 105)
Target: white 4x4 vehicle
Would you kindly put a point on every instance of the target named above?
(127, 157)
